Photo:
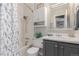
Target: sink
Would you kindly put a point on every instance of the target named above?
(58, 34)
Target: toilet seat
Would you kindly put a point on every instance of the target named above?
(32, 50)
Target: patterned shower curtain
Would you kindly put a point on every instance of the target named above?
(9, 33)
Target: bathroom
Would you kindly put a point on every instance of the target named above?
(32, 27)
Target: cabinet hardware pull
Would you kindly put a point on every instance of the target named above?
(56, 46)
(61, 46)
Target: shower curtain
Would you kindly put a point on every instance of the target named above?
(9, 33)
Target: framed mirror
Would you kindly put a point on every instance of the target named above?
(59, 16)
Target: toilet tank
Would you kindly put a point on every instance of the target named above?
(37, 43)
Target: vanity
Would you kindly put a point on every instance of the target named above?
(62, 17)
(60, 46)
(59, 18)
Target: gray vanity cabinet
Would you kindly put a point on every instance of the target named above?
(56, 48)
(50, 48)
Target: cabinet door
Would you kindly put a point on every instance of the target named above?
(50, 48)
(71, 50)
(60, 49)
(36, 15)
(41, 14)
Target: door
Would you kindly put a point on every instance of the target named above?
(60, 49)
(71, 50)
(50, 48)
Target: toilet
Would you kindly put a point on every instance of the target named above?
(32, 51)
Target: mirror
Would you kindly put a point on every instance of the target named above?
(59, 16)
(77, 19)
(64, 16)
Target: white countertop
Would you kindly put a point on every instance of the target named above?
(62, 39)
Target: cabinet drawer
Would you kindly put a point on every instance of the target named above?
(49, 41)
(69, 44)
